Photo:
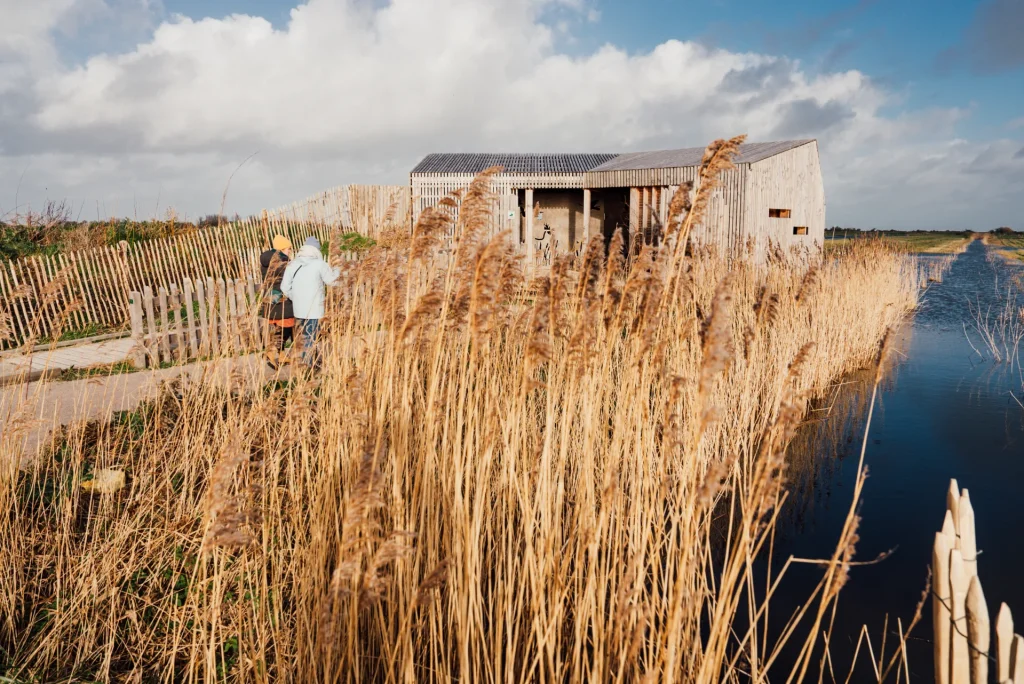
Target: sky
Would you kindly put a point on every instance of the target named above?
(137, 107)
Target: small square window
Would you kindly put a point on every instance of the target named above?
(799, 230)
(779, 213)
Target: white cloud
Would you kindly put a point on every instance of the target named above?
(353, 92)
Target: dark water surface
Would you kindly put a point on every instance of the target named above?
(944, 411)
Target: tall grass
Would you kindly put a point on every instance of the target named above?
(493, 478)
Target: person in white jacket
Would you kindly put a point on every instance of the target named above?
(304, 283)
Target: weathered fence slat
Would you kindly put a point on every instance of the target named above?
(204, 329)
(152, 343)
(222, 298)
(165, 345)
(189, 292)
(138, 333)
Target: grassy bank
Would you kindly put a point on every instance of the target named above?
(924, 242)
(544, 481)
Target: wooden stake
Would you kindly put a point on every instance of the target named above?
(1004, 642)
(979, 631)
(953, 506)
(968, 545)
(960, 652)
(940, 605)
(1017, 659)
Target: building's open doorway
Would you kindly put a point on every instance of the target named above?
(614, 202)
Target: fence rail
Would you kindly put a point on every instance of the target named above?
(962, 630)
(43, 296)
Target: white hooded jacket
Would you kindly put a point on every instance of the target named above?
(304, 282)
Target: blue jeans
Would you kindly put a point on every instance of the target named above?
(306, 331)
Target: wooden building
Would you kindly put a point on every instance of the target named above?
(774, 196)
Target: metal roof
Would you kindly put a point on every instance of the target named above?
(513, 163)
(691, 156)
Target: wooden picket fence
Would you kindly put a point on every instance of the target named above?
(200, 318)
(960, 617)
(45, 295)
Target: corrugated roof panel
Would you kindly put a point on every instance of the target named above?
(691, 156)
(457, 163)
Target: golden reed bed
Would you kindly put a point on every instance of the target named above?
(507, 481)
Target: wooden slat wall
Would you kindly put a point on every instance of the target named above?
(365, 209)
(790, 180)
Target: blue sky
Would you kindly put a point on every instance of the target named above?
(916, 105)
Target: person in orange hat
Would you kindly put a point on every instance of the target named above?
(277, 308)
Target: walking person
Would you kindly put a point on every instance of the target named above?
(305, 281)
(277, 308)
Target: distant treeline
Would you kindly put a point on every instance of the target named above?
(54, 232)
(1002, 230)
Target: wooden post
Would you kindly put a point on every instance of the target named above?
(634, 216)
(979, 631)
(1017, 659)
(960, 652)
(191, 315)
(953, 504)
(940, 602)
(138, 332)
(645, 212)
(529, 230)
(1004, 643)
(586, 218)
(968, 543)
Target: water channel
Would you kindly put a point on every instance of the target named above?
(946, 410)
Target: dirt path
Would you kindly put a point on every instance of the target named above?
(29, 412)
